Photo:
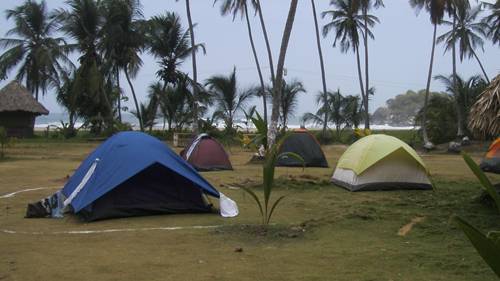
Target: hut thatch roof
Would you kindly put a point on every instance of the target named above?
(15, 97)
(485, 113)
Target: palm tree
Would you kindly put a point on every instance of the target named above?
(436, 9)
(83, 23)
(289, 99)
(336, 108)
(347, 24)
(122, 41)
(322, 67)
(170, 44)
(353, 111)
(229, 100)
(37, 53)
(465, 93)
(365, 6)
(467, 32)
(236, 7)
(193, 60)
(493, 20)
(278, 84)
(258, 8)
(67, 99)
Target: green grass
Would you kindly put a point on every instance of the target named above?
(321, 232)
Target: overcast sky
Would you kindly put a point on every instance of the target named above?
(399, 56)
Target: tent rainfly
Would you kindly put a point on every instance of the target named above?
(206, 154)
(491, 161)
(304, 144)
(132, 174)
(380, 162)
(18, 110)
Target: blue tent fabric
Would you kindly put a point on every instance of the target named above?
(121, 157)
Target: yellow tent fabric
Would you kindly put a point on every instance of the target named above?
(369, 150)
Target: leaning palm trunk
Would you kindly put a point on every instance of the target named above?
(139, 116)
(195, 72)
(367, 76)
(481, 66)
(363, 94)
(273, 129)
(460, 120)
(427, 90)
(119, 95)
(269, 55)
(259, 71)
(322, 66)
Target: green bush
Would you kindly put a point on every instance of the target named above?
(441, 118)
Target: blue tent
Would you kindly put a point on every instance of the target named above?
(133, 174)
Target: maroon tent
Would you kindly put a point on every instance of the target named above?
(205, 153)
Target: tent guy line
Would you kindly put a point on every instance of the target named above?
(167, 228)
(12, 194)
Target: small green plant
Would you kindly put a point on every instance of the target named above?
(3, 141)
(483, 179)
(268, 169)
(488, 246)
(261, 126)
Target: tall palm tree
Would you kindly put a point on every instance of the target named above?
(240, 7)
(193, 61)
(38, 53)
(258, 8)
(493, 20)
(278, 84)
(348, 24)
(467, 33)
(229, 100)
(289, 99)
(436, 9)
(365, 6)
(321, 65)
(83, 23)
(170, 44)
(121, 42)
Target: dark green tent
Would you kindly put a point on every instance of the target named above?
(304, 144)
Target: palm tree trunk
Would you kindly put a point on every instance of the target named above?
(271, 136)
(427, 89)
(259, 71)
(322, 66)
(269, 55)
(460, 121)
(481, 66)
(367, 77)
(363, 94)
(195, 72)
(141, 125)
(119, 95)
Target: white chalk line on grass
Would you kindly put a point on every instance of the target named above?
(168, 228)
(12, 194)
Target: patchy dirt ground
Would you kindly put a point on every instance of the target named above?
(320, 232)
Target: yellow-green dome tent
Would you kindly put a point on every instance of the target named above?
(381, 162)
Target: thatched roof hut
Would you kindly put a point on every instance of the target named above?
(485, 113)
(18, 110)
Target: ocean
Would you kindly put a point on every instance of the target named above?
(53, 120)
